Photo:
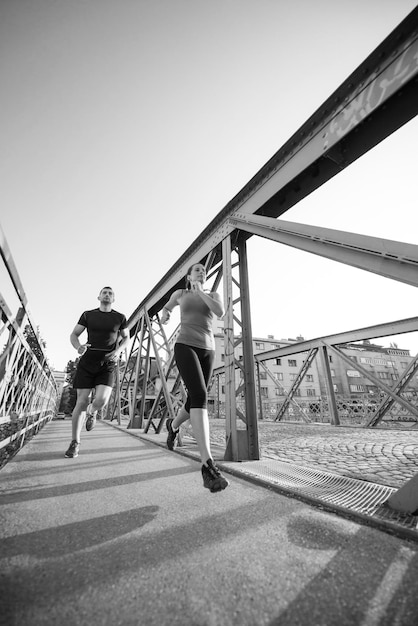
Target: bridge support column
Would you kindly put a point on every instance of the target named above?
(241, 444)
(405, 500)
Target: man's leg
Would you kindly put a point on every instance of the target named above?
(101, 398)
(77, 421)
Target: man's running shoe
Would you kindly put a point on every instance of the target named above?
(72, 451)
(172, 434)
(212, 477)
(90, 418)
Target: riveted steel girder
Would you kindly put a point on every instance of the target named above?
(372, 332)
(392, 259)
(375, 100)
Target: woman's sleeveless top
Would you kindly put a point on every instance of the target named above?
(196, 322)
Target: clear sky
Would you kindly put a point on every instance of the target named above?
(127, 126)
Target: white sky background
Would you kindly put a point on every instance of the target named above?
(127, 126)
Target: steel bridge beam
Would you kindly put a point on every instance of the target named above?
(372, 332)
(391, 259)
(379, 97)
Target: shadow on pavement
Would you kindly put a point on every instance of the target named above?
(343, 592)
(80, 487)
(71, 538)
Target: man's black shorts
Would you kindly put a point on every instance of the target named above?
(93, 370)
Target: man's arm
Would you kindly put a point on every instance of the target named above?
(124, 335)
(74, 338)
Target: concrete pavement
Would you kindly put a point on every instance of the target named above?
(126, 534)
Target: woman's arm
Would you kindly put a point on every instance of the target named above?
(167, 308)
(212, 300)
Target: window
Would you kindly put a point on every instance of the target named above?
(222, 358)
(279, 375)
(275, 345)
(263, 375)
(353, 374)
(357, 388)
(264, 391)
(332, 372)
(278, 361)
(366, 359)
(297, 393)
(259, 345)
(293, 377)
(404, 365)
(384, 375)
(379, 361)
(330, 358)
(292, 362)
(223, 389)
(310, 392)
(309, 378)
(279, 392)
(336, 388)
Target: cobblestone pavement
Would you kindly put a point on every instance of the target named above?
(384, 456)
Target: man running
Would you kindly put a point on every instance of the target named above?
(107, 336)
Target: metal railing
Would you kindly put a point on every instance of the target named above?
(28, 391)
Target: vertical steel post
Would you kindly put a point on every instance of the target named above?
(118, 391)
(218, 396)
(135, 420)
(146, 372)
(248, 355)
(230, 399)
(260, 399)
(332, 405)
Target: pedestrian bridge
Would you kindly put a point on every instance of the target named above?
(125, 533)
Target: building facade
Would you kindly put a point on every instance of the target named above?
(356, 394)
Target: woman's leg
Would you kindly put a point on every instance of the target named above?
(181, 417)
(200, 425)
(195, 367)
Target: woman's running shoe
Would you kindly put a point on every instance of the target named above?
(212, 477)
(172, 434)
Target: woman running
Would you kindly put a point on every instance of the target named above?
(194, 352)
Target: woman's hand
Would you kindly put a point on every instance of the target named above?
(165, 316)
(196, 285)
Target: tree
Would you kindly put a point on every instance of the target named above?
(35, 342)
(71, 370)
(69, 395)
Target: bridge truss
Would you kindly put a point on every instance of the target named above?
(28, 390)
(378, 98)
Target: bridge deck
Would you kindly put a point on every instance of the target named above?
(125, 534)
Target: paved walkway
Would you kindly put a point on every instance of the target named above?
(125, 534)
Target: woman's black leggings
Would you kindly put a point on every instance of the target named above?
(195, 366)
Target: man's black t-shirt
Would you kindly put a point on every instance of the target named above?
(102, 328)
